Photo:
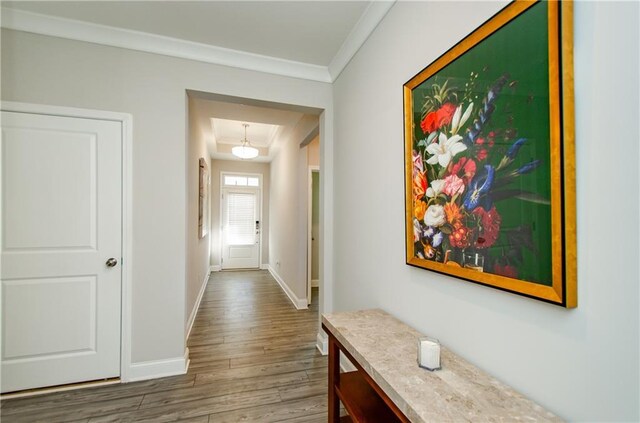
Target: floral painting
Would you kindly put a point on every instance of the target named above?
(486, 153)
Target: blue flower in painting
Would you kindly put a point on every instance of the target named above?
(479, 188)
(515, 147)
(529, 167)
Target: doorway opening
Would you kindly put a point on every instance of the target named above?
(313, 229)
(282, 228)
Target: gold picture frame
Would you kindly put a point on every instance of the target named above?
(489, 156)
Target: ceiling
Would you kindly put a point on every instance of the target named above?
(228, 131)
(310, 39)
(309, 31)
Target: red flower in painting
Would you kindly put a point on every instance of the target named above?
(489, 222)
(460, 237)
(428, 124)
(464, 168)
(436, 120)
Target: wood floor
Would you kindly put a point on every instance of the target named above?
(253, 359)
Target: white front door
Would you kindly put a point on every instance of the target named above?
(240, 228)
(61, 250)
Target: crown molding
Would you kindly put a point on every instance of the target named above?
(369, 20)
(21, 20)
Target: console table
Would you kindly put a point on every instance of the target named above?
(388, 386)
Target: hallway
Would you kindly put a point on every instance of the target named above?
(253, 359)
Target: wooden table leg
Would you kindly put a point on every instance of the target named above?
(334, 374)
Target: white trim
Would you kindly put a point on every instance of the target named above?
(22, 20)
(369, 20)
(37, 23)
(127, 247)
(315, 283)
(215, 268)
(264, 266)
(159, 368)
(127, 207)
(309, 228)
(59, 388)
(196, 306)
(326, 212)
(322, 343)
(299, 303)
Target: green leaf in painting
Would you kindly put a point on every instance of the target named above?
(521, 195)
(533, 198)
(446, 229)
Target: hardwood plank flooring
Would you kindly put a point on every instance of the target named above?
(253, 359)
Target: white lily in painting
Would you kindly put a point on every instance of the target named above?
(459, 119)
(445, 149)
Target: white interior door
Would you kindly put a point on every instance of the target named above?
(240, 228)
(61, 223)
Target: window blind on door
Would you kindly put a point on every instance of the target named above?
(241, 209)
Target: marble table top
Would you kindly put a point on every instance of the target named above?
(387, 350)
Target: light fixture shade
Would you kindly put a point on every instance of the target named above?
(244, 152)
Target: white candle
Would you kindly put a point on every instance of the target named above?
(429, 353)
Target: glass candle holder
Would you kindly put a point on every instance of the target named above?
(429, 353)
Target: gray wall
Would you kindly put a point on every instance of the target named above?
(48, 70)
(219, 166)
(288, 208)
(197, 248)
(581, 364)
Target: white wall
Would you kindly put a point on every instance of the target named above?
(581, 364)
(288, 208)
(48, 70)
(197, 269)
(219, 166)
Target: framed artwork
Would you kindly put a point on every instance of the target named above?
(489, 156)
(203, 198)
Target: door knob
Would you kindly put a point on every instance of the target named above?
(111, 262)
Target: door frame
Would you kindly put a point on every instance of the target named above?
(221, 219)
(312, 169)
(126, 120)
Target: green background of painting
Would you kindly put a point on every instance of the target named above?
(520, 49)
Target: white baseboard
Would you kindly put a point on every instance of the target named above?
(300, 304)
(322, 343)
(315, 283)
(264, 266)
(215, 268)
(159, 368)
(196, 306)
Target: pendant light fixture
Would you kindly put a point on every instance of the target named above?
(245, 151)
